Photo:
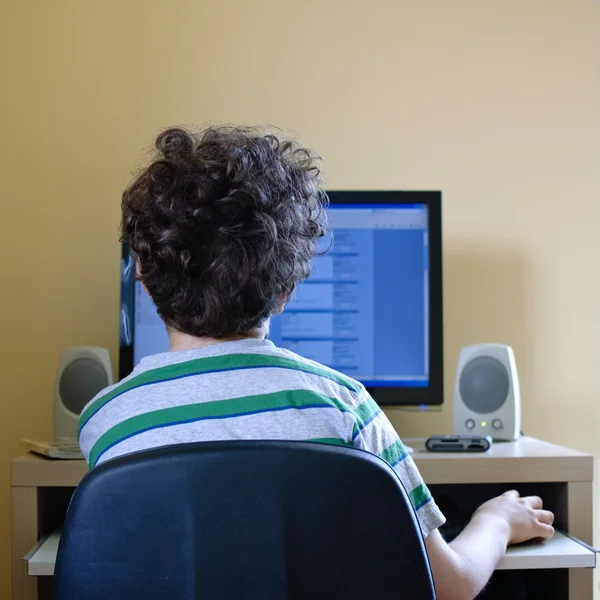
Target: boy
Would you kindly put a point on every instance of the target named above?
(223, 226)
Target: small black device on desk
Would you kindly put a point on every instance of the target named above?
(459, 443)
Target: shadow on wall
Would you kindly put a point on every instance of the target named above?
(486, 300)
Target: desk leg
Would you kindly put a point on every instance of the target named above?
(580, 522)
(24, 506)
(581, 584)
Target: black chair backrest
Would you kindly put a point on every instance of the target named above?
(242, 520)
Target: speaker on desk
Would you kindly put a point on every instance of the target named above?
(83, 371)
(487, 397)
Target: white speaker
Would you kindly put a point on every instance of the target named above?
(83, 371)
(487, 397)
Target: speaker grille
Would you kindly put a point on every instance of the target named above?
(80, 382)
(484, 384)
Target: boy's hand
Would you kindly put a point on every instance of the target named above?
(461, 569)
(525, 517)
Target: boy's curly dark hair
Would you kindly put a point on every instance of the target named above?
(223, 225)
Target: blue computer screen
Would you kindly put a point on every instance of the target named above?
(364, 309)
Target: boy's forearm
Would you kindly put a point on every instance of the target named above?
(479, 549)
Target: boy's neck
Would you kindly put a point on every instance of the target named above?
(183, 341)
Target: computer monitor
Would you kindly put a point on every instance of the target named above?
(371, 308)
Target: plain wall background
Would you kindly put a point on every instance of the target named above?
(495, 103)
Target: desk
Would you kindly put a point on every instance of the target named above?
(41, 489)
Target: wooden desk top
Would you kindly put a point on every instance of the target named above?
(527, 460)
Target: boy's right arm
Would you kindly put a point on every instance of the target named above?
(463, 568)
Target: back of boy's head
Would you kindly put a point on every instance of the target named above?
(223, 226)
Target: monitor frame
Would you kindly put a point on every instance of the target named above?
(431, 395)
(127, 305)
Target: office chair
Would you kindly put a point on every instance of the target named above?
(242, 520)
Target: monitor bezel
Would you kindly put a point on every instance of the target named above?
(127, 304)
(432, 394)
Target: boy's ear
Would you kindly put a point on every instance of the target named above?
(281, 304)
(138, 275)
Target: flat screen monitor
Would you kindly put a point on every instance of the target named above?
(371, 308)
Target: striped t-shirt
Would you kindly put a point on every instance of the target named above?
(250, 390)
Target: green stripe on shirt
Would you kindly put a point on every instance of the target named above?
(201, 366)
(419, 496)
(394, 453)
(365, 413)
(217, 409)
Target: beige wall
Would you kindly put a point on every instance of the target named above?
(497, 104)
